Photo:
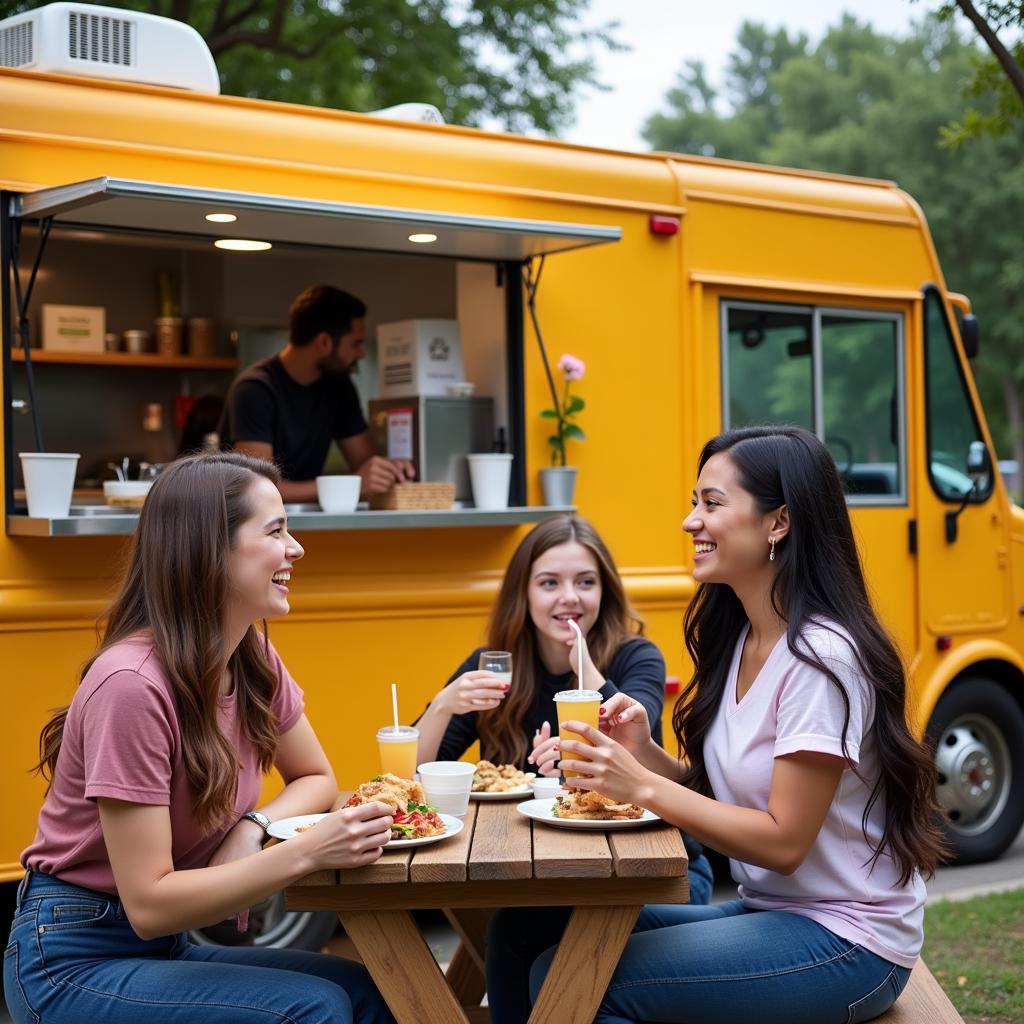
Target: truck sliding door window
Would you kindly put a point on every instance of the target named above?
(950, 419)
(837, 372)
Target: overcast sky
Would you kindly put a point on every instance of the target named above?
(663, 34)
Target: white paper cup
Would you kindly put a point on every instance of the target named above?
(447, 785)
(545, 787)
(490, 474)
(338, 493)
(49, 481)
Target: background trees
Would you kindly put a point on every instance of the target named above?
(860, 102)
(518, 63)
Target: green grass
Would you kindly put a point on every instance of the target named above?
(976, 951)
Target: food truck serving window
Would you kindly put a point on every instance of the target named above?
(101, 247)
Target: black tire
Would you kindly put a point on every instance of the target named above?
(978, 734)
(272, 927)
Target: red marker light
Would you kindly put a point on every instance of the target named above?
(944, 642)
(672, 685)
(661, 225)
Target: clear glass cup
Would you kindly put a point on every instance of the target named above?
(497, 662)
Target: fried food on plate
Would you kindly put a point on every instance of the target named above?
(499, 778)
(414, 818)
(593, 806)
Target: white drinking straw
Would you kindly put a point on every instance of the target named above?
(394, 703)
(581, 646)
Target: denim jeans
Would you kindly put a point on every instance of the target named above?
(518, 935)
(722, 964)
(73, 958)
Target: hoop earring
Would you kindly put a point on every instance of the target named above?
(771, 553)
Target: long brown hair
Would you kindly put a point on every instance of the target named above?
(502, 735)
(174, 591)
(819, 578)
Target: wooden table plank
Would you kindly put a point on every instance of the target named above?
(523, 892)
(445, 861)
(656, 851)
(391, 867)
(403, 967)
(583, 965)
(326, 877)
(569, 853)
(502, 847)
(465, 973)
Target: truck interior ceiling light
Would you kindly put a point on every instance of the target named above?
(242, 245)
(423, 238)
(221, 218)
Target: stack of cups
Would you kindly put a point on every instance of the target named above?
(447, 785)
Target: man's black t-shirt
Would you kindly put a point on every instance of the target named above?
(298, 420)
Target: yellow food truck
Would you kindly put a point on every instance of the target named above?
(701, 294)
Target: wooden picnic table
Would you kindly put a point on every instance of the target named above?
(500, 859)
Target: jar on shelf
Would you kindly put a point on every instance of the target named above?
(137, 342)
(202, 337)
(169, 333)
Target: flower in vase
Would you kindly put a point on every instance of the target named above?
(565, 409)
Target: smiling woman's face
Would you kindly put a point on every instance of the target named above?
(259, 566)
(565, 583)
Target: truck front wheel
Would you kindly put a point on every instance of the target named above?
(271, 926)
(978, 734)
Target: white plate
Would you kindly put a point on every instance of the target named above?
(285, 828)
(453, 826)
(541, 810)
(507, 795)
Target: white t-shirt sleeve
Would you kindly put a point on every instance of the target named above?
(811, 710)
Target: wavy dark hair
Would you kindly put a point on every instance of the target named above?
(502, 735)
(819, 579)
(174, 592)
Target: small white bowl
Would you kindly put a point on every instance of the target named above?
(544, 788)
(126, 493)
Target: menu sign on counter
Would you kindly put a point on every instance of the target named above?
(400, 434)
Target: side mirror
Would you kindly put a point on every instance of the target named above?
(970, 335)
(979, 469)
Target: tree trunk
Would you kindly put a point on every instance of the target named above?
(1015, 418)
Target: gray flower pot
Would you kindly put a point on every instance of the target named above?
(559, 483)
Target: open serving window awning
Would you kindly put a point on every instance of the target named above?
(151, 207)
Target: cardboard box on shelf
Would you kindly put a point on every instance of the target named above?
(418, 357)
(74, 328)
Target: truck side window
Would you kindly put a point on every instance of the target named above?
(951, 423)
(861, 414)
(837, 372)
(769, 376)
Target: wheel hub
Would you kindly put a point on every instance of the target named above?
(973, 766)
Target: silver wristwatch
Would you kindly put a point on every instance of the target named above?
(261, 819)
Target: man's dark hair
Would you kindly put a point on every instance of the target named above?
(322, 308)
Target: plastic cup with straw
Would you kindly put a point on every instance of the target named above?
(398, 744)
(577, 705)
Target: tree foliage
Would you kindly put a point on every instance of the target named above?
(860, 102)
(518, 63)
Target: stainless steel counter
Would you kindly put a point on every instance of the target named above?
(104, 521)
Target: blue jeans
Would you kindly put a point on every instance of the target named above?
(722, 964)
(73, 958)
(518, 935)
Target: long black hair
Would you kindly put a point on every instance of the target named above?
(818, 580)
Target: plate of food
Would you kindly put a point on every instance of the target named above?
(500, 781)
(586, 809)
(416, 823)
(289, 828)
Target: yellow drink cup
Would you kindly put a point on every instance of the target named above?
(397, 746)
(577, 706)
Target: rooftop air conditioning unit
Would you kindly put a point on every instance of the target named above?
(105, 42)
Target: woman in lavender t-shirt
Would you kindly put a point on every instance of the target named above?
(153, 768)
(797, 763)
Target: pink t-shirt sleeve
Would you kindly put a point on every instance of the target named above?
(288, 704)
(127, 740)
(811, 709)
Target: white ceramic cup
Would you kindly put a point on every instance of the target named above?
(490, 474)
(338, 493)
(447, 785)
(49, 481)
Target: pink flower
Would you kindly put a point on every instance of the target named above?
(572, 367)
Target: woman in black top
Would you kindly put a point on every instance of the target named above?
(561, 570)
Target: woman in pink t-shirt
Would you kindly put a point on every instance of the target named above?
(150, 825)
(797, 763)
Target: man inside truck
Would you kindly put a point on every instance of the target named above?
(289, 407)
